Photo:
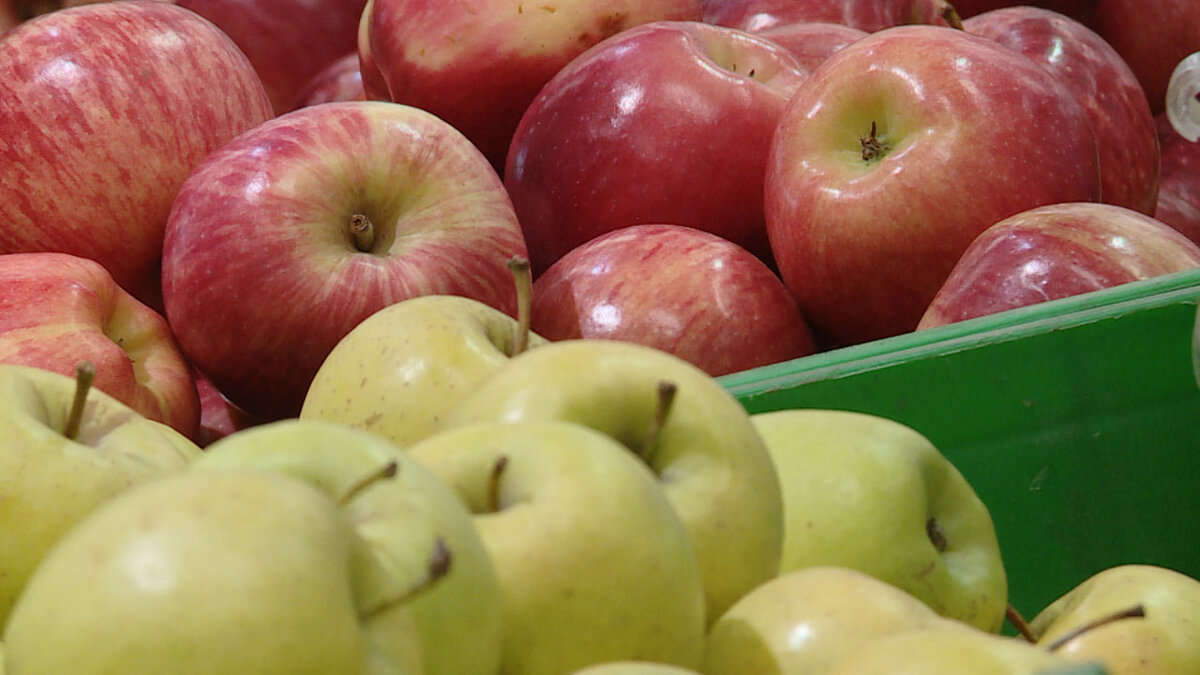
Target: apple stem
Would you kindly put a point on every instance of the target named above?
(936, 535)
(364, 232)
(1014, 617)
(384, 472)
(493, 487)
(519, 266)
(1135, 612)
(951, 16)
(872, 149)
(439, 566)
(666, 399)
(85, 374)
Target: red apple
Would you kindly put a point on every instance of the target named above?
(866, 15)
(1103, 84)
(1057, 251)
(478, 63)
(668, 122)
(283, 240)
(1080, 10)
(287, 41)
(219, 417)
(104, 109)
(1179, 181)
(678, 289)
(811, 42)
(1152, 38)
(895, 154)
(58, 309)
(339, 81)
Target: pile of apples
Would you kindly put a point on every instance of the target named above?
(271, 400)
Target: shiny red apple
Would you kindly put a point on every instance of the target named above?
(339, 81)
(866, 15)
(811, 42)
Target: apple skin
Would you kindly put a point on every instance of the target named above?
(1178, 180)
(1080, 10)
(478, 64)
(677, 289)
(866, 15)
(1152, 43)
(219, 417)
(97, 149)
(1116, 106)
(1057, 251)
(811, 42)
(864, 244)
(261, 274)
(668, 122)
(341, 80)
(58, 309)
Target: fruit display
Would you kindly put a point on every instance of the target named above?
(599, 337)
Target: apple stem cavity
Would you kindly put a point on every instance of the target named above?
(872, 148)
(493, 486)
(85, 374)
(950, 15)
(1135, 612)
(936, 535)
(439, 566)
(1018, 622)
(662, 410)
(523, 278)
(385, 472)
(363, 231)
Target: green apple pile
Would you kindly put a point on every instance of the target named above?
(490, 502)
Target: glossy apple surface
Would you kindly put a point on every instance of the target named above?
(58, 309)
(1152, 43)
(1054, 252)
(103, 119)
(262, 271)
(811, 42)
(341, 80)
(867, 15)
(866, 227)
(669, 122)
(479, 63)
(1178, 181)
(681, 290)
(1080, 10)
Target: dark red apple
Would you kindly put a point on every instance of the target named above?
(1080, 10)
(1152, 38)
(339, 81)
(1179, 181)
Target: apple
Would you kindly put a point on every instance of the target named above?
(811, 42)
(288, 41)
(400, 370)
(593, 563)
(66, 448)
(866, 492)
(804, 620)
(341, 80)
(681, 290)
(1080, 10)
(1179, 181)
(1057, 251)
(249, 571)
(59, 309)
(668, 122)
(629, 668)
(105, 110)
(866, 15)
(219, 417)
(689, 429)
(1098, 77)
(401, 519)
(478, 64)
(1163, 638)
(1152, 43)
(890, 160)
(285, 239)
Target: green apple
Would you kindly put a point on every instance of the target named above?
(52, 475)
(1165, 640)
(634, 668)
(400, 369)
(709, 458)
(867, 492)
(400, 519)
(594, 564)
(806, 619)
(214, 572)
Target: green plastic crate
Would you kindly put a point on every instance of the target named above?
(1077, 421)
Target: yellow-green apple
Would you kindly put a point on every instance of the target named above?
(811, 42)
(66, 448)
(690, 430)
(866, 15)
(341, 80)
(593, 563)
(401, 519)
(1165, 640)
(399, 371)
(1057, 251)
(285, 239)
(479, 63)
(889, 160)
(59, 309)
(870, 493)
(1178, 180)
(684, 291)
(287, 41)
(668, 122)
(1152, 43)
(804, 620)
(1183, 98)
(247, 571)
(1116, 106)
(103, 118)
(630, 668)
